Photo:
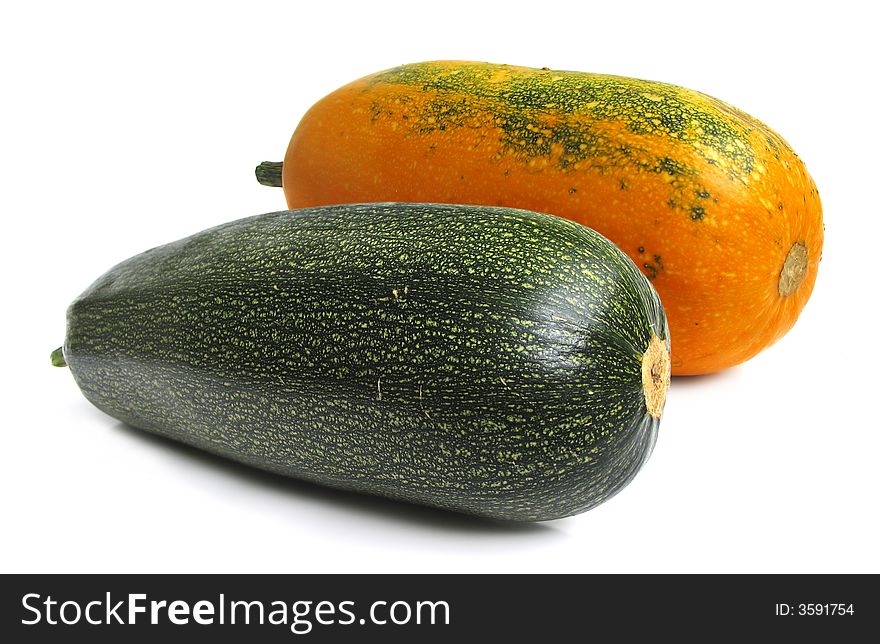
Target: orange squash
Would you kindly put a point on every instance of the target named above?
(712, 205)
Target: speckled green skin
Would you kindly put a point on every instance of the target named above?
(522, 100)
(484, 360)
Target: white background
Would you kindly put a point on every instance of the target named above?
(124, 128)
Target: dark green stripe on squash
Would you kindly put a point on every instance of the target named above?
(485, 360)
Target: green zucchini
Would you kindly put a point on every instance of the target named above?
(491, 361)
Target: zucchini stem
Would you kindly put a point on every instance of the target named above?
(57, 358)
(655, 376)
(269, 173)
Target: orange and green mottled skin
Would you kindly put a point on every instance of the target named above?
(483, 360)
(707, 200)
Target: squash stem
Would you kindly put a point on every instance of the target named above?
(655, 376)
(269, 173)
(793, 270)
(57, 358)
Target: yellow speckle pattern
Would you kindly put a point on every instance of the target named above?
(484, 360)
